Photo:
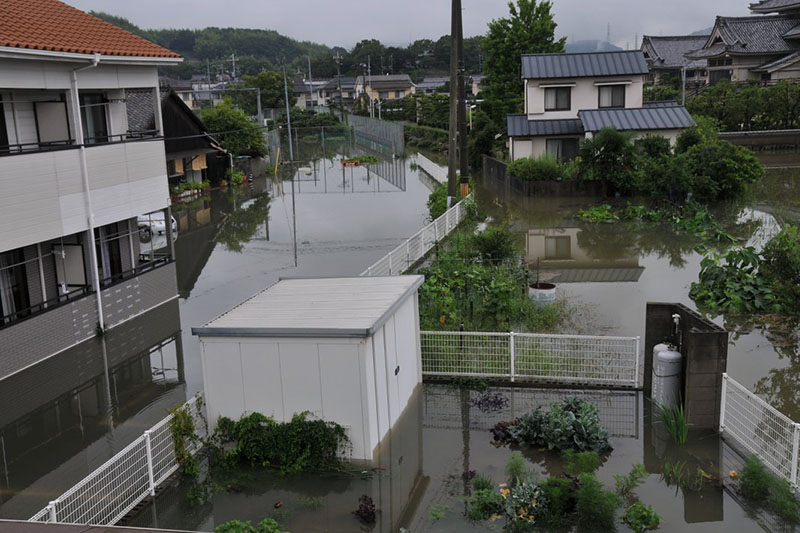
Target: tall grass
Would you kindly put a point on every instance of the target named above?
(674, 418)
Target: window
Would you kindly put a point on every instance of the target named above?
(719, 75)
(558, 98)
(611, 96)
(3, 130)
(14, 297)
(107, 239)
(557, 248)
(383, 95)
(398, 94)
(563, 149)
(93, 115)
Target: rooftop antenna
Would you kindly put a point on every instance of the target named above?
(608, 33)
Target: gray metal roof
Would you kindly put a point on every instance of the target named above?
(623, 63)
(661, 103)
(520, 126)
(322, 307)
(669, 52)
(637, 119)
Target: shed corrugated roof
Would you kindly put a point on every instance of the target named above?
(637, 119)
(520, 126)
(57, 27)
(623, 63)
(323, 307)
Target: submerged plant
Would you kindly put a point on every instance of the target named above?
(557, 493)
(437, 512)
(599, 213)
(484, 504)
(576, 463)
(490, 401)
(640, 518)
(674, 419)
(481, 482)
(516, 469)
(764, 488)
(366, 510)
(627, 483)
(596, 507)
(268, 525)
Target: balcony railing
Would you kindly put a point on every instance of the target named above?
(140, 269)
(22, 314)
(66, 144)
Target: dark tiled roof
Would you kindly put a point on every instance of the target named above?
(139, 105)
(520, 126)
(774, 6)
(55, 26)
(637, 119)
(395, 81)
(794, 33)
(778, 63)
(625, 63)
(348, 84)
(756, 35)
(668, 52)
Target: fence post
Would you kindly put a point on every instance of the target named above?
(435, 232)
(408, 255)
(722, 402)
(511, 345)
(795, 444)
(149, 450)
(51, 507)
(369, 271)
(636, 366)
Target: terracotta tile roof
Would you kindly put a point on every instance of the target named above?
(55, 26)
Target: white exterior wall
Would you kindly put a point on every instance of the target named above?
(585, 95)
(43, 74)
(42, 195)
(362, 384)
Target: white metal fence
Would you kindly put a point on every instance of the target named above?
(437, 172)
(759, 428)
(109, 493)
(565, 359)
(415, 248)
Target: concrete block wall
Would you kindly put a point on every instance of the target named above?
(705, 351)
(37, 338)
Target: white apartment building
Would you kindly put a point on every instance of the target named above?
(74, 179)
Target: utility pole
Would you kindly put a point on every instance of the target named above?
(369, 81)
(233, 68)
(310, 84)
(462, 107)
(452, 147)
(291, 163)
(208, 83)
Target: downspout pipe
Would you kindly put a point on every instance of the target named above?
(80, 141)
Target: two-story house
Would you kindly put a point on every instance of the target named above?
(569, 97)
(339, 90)
(74, 178)
(387, 87)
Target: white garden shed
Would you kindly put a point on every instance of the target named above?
(345, 349)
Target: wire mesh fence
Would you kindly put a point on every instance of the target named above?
(109, 493)
(760, 429)
(566, 359)
(410, 251)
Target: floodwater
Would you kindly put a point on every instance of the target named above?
(62, 419)
(420, 485)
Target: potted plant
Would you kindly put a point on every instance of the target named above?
(540, 291)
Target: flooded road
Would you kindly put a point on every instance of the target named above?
(63, 418)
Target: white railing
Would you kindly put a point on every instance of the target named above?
(109, 493)
(437, 172)
(759, 428)
(415, 248)
(563, 359)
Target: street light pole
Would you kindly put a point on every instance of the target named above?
(291, 164)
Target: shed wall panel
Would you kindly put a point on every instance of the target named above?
(300, 374)
(261, 379)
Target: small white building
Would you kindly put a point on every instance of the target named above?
(347, 350)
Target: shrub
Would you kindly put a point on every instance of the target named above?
(481, 482)
(722, 170)
(640, 518)
(762, 487)
(598, 213)
(627, 483)
(542, 168)
(557, 494)
(496, 244)
(576, 463)
(653, 146)
(596, 507)
(290, 447)
(268, 525)
(516, 469)
(483, 504)
(610, 157)
(780, 265)
(572, 424)
(437, 201)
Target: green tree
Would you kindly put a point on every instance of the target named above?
(722, 170)
(529, 29)
(610, 156)
(234, 130)
(272, 92)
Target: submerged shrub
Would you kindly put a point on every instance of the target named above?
(523, 503)
(290, 447)
(268, 525)
(640, 518)
(559, 501)
(366, 510)
(484, 504)
(571, 424)
(481, 482)
(760, 486)
(627, 483)
(576, 463)
(595, 506)
(496, 244)
(516, 469)
(543, 168)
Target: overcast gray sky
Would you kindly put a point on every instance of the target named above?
(345, 22)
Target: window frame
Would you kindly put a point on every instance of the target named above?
(561, 140)
(612, 88)
(557, 107)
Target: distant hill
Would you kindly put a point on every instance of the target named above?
(591, 46)
(706, 31)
